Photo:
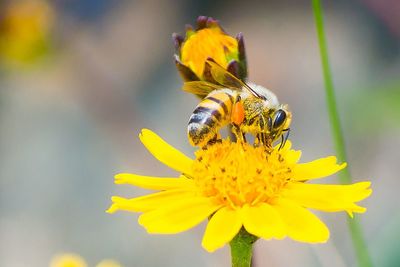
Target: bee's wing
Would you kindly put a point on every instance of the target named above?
(200, 88)
(223, 77)
(226, 79)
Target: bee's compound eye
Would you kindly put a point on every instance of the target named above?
(279, 118)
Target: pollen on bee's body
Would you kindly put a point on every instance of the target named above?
(236, 174)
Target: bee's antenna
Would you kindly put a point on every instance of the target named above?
(251, 90)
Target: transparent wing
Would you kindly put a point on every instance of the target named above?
(223, 77)
(226, 79)
(200, 88)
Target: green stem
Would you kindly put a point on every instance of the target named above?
(357, 237)
(242, 249)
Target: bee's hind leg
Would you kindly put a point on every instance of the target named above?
(216, 139)
(239, 135)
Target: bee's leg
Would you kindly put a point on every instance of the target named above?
(267, 141)
(214, 140)
(282, 142)
(217, 137)
(237, 132)
(265, 129)
(263, 139)
(237, 118)
(284, 139)
(257, 140)
(231, 135)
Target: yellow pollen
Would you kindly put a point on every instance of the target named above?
(235, 174)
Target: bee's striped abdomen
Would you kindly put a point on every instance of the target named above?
(210, 114)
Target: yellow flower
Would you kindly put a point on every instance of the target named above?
(68, 260)
(108, 263)
(74, 260)
(238, 185)
(209, 41)
(25, 31)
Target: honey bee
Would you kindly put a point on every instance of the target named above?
(229, 101)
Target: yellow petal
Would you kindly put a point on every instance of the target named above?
(263, 221)
(292, 156)
(149, 202)
(221, 229)
(301, 224)
(317, 169)
(330, 198)
(178, 216)
(165, 153)
(153, 183)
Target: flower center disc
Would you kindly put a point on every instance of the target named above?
(239, 173)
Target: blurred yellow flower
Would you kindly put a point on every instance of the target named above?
(24, 31)
(68, 260)
(74, 260)
(239, 185)
(209, 40)
(108, 263)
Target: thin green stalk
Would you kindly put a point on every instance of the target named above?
(242, 249)
(357, 237)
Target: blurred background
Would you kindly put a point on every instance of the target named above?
(79, 79)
